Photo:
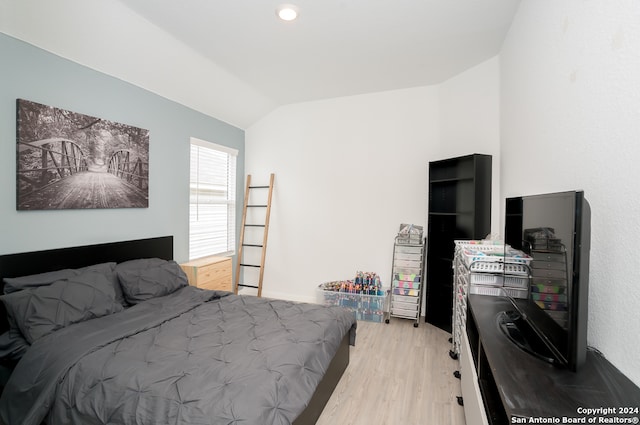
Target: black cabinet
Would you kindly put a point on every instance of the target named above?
(515, 385)
(459, 208)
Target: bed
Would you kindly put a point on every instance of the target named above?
(120, 337)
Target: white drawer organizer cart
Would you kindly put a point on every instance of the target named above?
(486, 268)
(406, 274)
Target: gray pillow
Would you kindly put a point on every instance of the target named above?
(140, 264)
(42, 310)
(142, 280)
(14, 284)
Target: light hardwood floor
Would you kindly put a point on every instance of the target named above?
(397, 375)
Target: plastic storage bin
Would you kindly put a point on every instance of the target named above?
(368, 307)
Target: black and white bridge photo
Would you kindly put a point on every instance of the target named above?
(68, 160)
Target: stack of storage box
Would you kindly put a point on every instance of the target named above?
(406, 274)
(494, 271)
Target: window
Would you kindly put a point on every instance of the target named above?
(212, 199)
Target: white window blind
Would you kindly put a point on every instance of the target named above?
(212, 200)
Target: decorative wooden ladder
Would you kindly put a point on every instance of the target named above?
(265, 227)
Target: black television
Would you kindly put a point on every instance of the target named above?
(555, 230)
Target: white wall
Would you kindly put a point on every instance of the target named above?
(350, 170)
(570, 119)
(470, 121)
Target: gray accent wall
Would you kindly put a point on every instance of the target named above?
(30, 73)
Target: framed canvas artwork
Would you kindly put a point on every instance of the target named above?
(68, 160)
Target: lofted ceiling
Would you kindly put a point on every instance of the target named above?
(336, 47)
(236, 61)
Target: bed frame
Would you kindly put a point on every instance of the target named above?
(27, 263)
(23, 264)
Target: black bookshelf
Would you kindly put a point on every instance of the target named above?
(459, 208)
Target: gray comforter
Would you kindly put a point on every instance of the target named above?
(192, 357)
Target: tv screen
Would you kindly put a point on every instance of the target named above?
(554, 229)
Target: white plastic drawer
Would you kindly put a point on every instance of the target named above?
(416, 250)
(408, 263)
(404, 306)
(404, 299)
(409, 314)
(408, 256)
(406, 270)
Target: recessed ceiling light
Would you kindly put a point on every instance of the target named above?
(287, 12)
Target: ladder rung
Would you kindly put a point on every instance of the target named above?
(265, 230)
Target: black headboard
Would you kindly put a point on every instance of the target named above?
(27, 263)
